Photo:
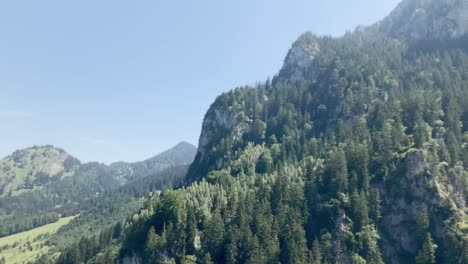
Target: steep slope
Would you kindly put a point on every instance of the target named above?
(356, 152)
(402, 108)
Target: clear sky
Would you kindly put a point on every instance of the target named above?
(111, 80)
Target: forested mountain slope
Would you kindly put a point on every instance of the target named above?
(181, 154)
(99, 196)
(42, 183)
(356, 152)
(115, 205)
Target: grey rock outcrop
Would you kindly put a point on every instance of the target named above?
(300, 62)
(218, 120)
(416, 20)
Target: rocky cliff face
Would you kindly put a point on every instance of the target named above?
(217, 120)
(300, 62)
(415, 20)
(411, 21)
(300, 65)
(403, 199)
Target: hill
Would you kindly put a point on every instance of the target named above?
(44, 183)
(34, 167)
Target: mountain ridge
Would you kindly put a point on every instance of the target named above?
(356, 152)
(416, 20)
(38, 165)
(350, 92)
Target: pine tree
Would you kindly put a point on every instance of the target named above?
(359, 210)
(374, 205)
(191, 232)
(337, 172)
(358, 162)
(420, 133)
(426, 254)
(317, 256)
(207, 259)
(213, 236)
(294, 249)
(326, 246)
(108, 257)
(368, 242)
(356, 259)
(189, 259)
(161, 246)
(353, 182)
(151, 246)
(231, 246)
(423, 224)
(337, 252)
(74, 255)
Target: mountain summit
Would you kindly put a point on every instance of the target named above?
(414, 20)
(35, 166)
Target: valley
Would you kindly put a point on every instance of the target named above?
(29, 245)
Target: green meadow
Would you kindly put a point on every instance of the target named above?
(27, 246)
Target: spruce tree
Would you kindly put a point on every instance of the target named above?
(191, 232)
(368, 242)
(317, 256)
(337, 172)
(423, 224)
(426, 255)
(151, 246)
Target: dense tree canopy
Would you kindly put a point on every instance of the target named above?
(305, 182)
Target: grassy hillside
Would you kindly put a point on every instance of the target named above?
(34, 167)
(27, 246)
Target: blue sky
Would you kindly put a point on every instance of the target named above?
(112, 80)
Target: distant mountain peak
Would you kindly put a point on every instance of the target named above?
(415, 20)
(182, 148)
(31, 153)
(181, 154)
(34, 166)
(45, 148)
(184, 144)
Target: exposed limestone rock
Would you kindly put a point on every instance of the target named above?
(218, 120)
(300, 61)
(415, 20)
(411, 189)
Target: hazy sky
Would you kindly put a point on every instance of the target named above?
(111, 80)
